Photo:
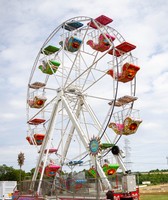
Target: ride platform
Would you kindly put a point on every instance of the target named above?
(78, 191)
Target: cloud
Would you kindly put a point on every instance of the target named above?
(25, 26)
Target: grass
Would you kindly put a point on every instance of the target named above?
(154, 197)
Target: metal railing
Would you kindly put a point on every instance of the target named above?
(67, 188)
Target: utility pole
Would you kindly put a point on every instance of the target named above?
(127, 150)
(167, 160)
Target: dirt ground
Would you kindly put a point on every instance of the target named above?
(154, 189)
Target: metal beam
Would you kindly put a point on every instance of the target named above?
(46, 143)
(72, 129)
(94, 118)
(85, 141)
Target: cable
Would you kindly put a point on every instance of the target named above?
(117, 140)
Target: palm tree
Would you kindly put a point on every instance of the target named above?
(20, 160)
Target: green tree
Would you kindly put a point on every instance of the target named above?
(154, 176)
(9, 173)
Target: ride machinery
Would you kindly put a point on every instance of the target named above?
(80, 99)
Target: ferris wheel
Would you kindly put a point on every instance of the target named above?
(80, 95)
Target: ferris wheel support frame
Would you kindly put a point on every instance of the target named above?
(85, 141)
(61, 98)
(46, 142)
(72, 129)
(120, 162)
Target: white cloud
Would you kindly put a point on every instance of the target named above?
(8, 116)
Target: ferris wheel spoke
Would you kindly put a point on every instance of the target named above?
(86, 70)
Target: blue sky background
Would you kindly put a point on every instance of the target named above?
(25, 25)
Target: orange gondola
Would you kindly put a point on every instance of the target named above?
(127, 74)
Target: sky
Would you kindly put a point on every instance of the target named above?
(25, 25)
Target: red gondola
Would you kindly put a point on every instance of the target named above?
(102, 44)
(52, 150)
(29, 139)
(36, 121)
(51, 169)
(39, 138)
